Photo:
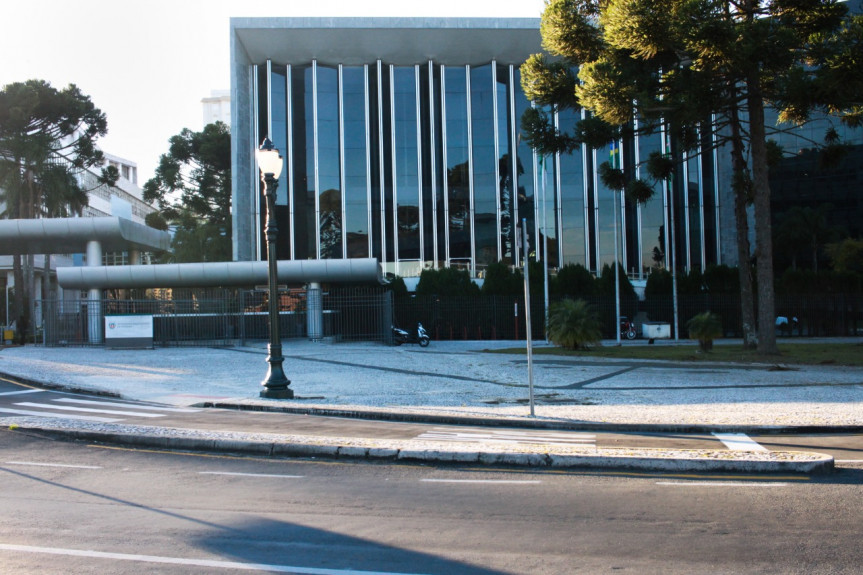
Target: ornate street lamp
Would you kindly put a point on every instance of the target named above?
(276, 384)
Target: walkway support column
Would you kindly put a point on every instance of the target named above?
(94, 296)
(314, 312)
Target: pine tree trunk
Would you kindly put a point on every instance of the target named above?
(747, 307)
(763, 227)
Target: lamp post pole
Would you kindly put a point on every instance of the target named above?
(276, 383)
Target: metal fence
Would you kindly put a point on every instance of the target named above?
(502, 317)
(229, 317)
(233, 317)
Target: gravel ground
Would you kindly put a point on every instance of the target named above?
(456, 378)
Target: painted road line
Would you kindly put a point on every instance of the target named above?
(191, 562)
(22, 391)
(59, 415)
(722, 484)
(250, 474)
(136, 406)
(37, 464)
(89, 410)
(496, 436)
(739, 442)
(485, 481)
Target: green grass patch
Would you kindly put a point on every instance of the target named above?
(820, 353)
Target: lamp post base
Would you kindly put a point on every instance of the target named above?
(276, 384)
(277, 393)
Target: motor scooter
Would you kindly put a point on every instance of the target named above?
(420, 336)
(627, 328)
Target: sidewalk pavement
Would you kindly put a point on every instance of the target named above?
(456, 382)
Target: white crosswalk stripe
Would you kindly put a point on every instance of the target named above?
(100, 411)
(59, 415)
(508, 436)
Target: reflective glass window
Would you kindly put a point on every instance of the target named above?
(572, 196)
(505, 171)
(694, 212)
(356, 225)
(457, 165)
(279, 136)
(329, 161)
(303, 130)
(652, 220)
(485, 184)
(606, 211)
(405, 162)
(524, 167)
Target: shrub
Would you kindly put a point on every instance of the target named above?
(705, 327)
(573, 324)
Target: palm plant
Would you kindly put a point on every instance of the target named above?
(573, 324)
(705, 327)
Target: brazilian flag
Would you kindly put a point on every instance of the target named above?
(613, 153)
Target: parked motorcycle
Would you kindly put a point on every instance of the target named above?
(627, 328)
(419, 336)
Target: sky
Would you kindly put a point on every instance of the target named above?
(148, 63)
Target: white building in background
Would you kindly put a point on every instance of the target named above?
(217, 107)
(124, 199)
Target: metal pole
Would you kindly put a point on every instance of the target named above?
(544, 251)
(524, 240)
(616, 256)
(276, 384)
(616, 273)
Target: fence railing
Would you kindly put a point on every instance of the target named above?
(235, 317)
(230, 318)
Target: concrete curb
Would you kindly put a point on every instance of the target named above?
(529, 423)
(645, 460)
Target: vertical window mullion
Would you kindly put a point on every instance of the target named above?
(433, 165)
(254, 184)
(382, 191)
(584, 200)
(290, 156)
(421, 226)
(470, 173)
(638, 219)
(342, 180)
(513, 143)
(368, 160)
(317, 227)
(497, 156)
(393, 169)
(444, 162)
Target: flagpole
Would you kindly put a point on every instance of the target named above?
(544, 248)
(614, 153)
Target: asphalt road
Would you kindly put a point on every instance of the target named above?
(71, 508)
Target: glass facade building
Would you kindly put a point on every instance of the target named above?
(401, 142)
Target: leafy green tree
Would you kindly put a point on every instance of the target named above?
(501, 280)
(397, 286)
(446, 281)
(805, 229)
(47, 139)
(847, 255)
(192, 188)
(679, 63)
(573, 324)
(721, 279)
(574, 280)
(605, 282)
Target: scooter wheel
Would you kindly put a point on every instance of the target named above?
(630, 334)
(424, 342)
